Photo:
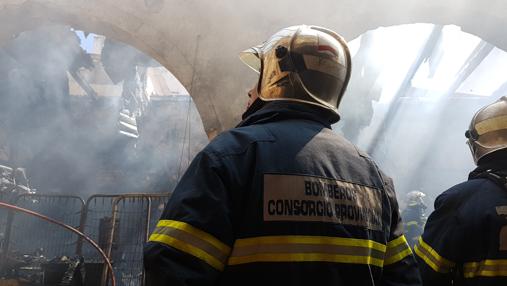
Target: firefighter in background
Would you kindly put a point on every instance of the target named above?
(282, 199)
(465, 238)
(414, 217)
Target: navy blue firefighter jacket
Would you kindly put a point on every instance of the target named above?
(281, 200)
(465, 238)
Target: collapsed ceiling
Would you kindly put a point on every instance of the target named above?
(198, 41)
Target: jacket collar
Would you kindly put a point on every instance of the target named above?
(284, 110)
(498, 166)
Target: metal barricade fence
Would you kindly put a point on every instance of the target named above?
(128, 235)
(96, 224)
(134, 216)
(27, 235)
(157, 207)
(121, 225)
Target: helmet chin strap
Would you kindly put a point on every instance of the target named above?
(254, 107)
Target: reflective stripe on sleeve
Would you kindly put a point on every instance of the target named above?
(193, 241)
(307, 249)
(432, 258)
(485, 268)
(397, 250)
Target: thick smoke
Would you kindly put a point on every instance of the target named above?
(417, 137)
(70, 143)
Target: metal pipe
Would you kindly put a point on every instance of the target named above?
(70, 228)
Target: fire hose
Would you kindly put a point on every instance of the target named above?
(70, 228)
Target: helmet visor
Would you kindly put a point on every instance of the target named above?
(251, 57)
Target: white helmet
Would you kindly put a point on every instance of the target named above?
(415, 198)
(307, 64)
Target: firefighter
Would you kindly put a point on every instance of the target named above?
(465, 238)
(414, 217)
(282, 199)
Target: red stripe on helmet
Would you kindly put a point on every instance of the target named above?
(322, 48)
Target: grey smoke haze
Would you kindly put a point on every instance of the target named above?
(70, 144)
(423, 148)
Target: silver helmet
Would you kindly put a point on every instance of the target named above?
(303, 63)
(488, 130)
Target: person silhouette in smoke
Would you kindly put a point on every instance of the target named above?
(414, 216)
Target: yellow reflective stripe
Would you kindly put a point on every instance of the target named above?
(398, 241)
(397, 250)
(188, 248)
(195, 232)
(426, 259)
(307, 248)
(432, 258)
(486, 268)
(398, 257)
(299, 248)
(305, 257)
(303, 239)
(193, 241)
(410, 223)
(492, 124)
